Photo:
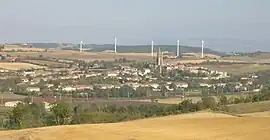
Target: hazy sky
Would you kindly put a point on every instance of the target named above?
(221, 23)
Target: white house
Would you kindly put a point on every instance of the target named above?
(33, 89)
(205, 85)
(112, 74)
(92, 74)
(12, 103)
(181, 85)
(47, 105)
(154, 85)
(69, 89)
(3, 70)
(28, 73)
(49, 85)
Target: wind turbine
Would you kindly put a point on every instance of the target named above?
(115, 45)
(152, 49)
(178, 48)
(202, 47)
(81, 46)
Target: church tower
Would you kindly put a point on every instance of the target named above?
(159, 60)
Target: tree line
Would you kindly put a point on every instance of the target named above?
(31, 115)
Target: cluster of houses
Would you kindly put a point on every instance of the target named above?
(129, 76)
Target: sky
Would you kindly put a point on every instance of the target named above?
(225, 25)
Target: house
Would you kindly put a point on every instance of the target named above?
(181, 85)
(221, 84)
(28, 73)
(112, 74)
(33, 89)
(244, 78)
(126, 68)
(144, 71)
(49, 85)
(254, 76)
(69, 89)
(133, 85)
(105, 86)
(84, 87)
(92, 74)
(47, 105)
(154, 85)
(205, 85)
(12, 103)
(3, 70)
(256, 90)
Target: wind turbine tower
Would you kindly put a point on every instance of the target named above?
(202, 47)
(81, 46)
(152, 49)
(115, 45)
(178, 48)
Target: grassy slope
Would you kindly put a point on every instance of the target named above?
(237, 69)
(249, 107)
(188, 126)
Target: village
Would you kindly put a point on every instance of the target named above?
(147, 80)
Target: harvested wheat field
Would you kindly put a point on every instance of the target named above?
(195, 126)
(91, 56)
(18, 66)
(21, 48)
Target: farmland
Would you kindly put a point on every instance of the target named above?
(249, 107)
(188, 126)
(18, 66)
(46, 63)
(21, 48)
(258, 58)
(173, 100)
(237, 69)
(258, 114)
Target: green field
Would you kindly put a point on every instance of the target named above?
(4, 110)
(237, 69)
(46, 63)
(249, 107)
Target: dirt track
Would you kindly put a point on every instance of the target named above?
(198, 126)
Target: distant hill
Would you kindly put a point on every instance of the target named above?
(45, 45)
(147, 49)
(127, 48)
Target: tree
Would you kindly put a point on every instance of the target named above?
(173, 86)
(62, 113)
(26, 115)
(41, 84)
(223, 100)
(209, 102)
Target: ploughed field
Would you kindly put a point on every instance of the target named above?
(193, 126)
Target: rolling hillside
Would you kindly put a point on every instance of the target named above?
(194, 126)
(127, 48)
(146, 49)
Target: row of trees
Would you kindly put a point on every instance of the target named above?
(264, 96)
(27, 115)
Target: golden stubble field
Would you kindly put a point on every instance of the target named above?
(18, 66)
(194, 126)
(21, 48)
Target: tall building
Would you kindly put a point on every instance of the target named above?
(159, 60)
